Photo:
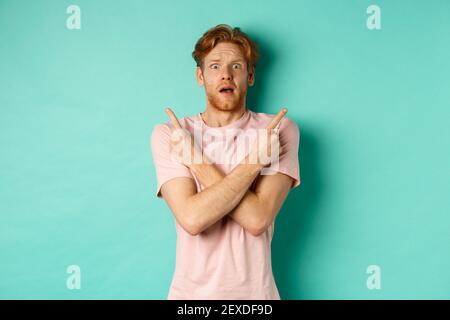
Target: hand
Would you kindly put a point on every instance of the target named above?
(261, 152)
(182, 146)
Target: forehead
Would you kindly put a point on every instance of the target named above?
(225, 51)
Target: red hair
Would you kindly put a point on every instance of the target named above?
(225, 33)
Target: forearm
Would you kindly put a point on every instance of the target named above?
(209, 174)
(220, 196)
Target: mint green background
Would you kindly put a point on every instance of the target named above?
(77, 183)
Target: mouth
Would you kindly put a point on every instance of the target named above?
(227, 90)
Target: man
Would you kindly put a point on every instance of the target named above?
(225, 210)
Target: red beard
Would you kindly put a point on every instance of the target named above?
(233, 103)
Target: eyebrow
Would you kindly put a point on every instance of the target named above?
(217, 60)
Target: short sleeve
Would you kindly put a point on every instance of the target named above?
(166, 167)
(289, 137)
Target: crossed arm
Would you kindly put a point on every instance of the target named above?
(229, 195)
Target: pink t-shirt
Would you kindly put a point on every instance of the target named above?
(224, 261)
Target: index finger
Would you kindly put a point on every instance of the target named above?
(277, 119)
(173, 118)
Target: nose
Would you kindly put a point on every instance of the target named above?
(226, 74)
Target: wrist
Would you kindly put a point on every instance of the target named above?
(252, 168)
(250, 160)
(199, 166)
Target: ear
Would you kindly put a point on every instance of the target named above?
(199, 76)
(251, 77)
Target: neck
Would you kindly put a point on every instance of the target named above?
(219, 118)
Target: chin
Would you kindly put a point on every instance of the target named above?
(225, 104)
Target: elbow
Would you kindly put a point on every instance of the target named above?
(188, 221)
(189, 229)
(191, 225)
(262, 222)
(258, 228)
(192, 219)
(256, 232)
(194, 230)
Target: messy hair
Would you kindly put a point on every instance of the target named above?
(225, 33)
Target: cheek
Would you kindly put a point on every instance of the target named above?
(209, 85)
(211, 82)
(241, 77)
(243, 82)
(207, 77)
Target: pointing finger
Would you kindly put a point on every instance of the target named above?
(277, 119)
(173, 118)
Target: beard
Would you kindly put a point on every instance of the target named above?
(218, 102)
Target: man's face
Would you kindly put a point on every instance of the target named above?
(225, 67)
